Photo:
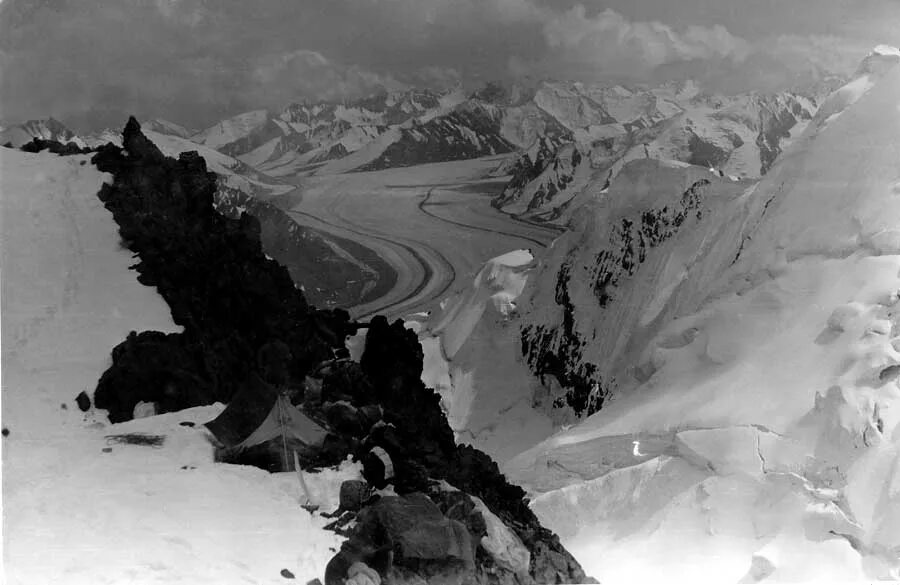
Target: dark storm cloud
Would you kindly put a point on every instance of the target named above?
(195, 61)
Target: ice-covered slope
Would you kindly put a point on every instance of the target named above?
(72, 512)
(472, 359)
(751, 423)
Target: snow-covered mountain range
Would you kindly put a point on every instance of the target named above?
(739, 136)
(719, 358)
(700, 375)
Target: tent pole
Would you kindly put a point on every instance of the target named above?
(281, 424)
(304, 491)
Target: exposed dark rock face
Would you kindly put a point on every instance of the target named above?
(213, 274)
(462, 134)
(706, 154)
(775, 125)
(69, 148)
(524, 171)
(563, 361)
(552, 171)
(557, 351)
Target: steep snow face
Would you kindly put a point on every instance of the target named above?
(605, 285)
(472, 359)
(231, 130)
(876, 64)
(132, 514)
(752, 425)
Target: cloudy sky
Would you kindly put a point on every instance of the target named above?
(89, 62)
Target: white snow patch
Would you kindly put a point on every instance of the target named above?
(74, 513)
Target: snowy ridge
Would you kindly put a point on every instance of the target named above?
(133, 514)
(750, 427)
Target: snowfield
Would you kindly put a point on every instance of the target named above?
(755, 435)
(72, 512)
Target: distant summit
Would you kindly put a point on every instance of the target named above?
(45, 129)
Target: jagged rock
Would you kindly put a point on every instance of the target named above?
(83, 401)
(213, 274)
(414, 529)
(67, 149)
(353, 494)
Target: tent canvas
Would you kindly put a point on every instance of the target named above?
(285, 422)
(263, 425)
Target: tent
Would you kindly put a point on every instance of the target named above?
(261, 427)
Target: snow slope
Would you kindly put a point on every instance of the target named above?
(71, 512)
(471, 357)
(756, 434)
(231, 129)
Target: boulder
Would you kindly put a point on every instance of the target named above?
(353, 494)
(343, 417)
(83, 401)
(420, 539)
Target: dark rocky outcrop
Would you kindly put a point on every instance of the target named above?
(232, 301)
(213, 274)
(69, 148)
(83, 401)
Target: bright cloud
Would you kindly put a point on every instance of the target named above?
(611, 42)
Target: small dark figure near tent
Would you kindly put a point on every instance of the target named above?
(260, 426)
